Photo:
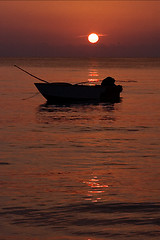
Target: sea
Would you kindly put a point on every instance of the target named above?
(80, 171)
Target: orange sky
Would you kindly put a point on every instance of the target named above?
(43, 26)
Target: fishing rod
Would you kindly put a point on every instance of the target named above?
(34, 95)
(81, 83)
(30, 74)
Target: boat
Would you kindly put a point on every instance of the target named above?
(62, 92)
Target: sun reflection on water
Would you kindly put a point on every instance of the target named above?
(95, 189)
(93, 76)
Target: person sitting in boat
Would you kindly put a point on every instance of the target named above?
(108, 81)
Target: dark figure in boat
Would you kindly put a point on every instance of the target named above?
(108, 81)
(111, 90)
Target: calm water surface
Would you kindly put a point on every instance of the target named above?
(80, 171)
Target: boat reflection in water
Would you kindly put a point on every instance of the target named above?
(78, 113)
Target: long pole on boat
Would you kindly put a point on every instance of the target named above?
(81, 82)
(30, 74)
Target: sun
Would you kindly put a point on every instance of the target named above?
(93, 38)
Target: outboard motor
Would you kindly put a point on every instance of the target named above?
(108, 81)
(110, 92)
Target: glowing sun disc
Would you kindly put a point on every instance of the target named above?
(93, 38)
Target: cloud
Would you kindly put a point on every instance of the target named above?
(99, 34)
(82, 50)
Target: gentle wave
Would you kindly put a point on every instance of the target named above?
(79, 219)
